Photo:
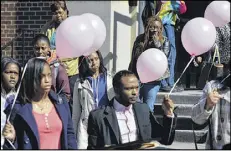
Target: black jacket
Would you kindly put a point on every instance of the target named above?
(103, 128)
(27, 135)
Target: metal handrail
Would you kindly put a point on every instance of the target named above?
(18, 36)
(11, 42)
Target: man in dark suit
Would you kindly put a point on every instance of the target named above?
(126, 120)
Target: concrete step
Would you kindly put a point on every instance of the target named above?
(181, 146)
(181, 109)
(187, 136)
(184, 132)
(185, 97)
(183, 123)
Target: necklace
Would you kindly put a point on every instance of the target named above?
(41, 108)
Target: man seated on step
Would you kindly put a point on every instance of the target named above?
(126, 120)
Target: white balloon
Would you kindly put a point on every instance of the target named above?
(99, 30)
(151, 65)
(198, 36)
(218, 12)
(74, 37)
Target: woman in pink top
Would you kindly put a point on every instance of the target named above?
(43, 119)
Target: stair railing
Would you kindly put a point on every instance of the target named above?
(11, 42)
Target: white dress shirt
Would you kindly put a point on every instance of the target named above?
(126, 120)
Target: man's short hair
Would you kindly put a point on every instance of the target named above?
(118, 76)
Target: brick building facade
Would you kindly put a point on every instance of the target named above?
(16, 15)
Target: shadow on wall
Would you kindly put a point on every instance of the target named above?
(125, 20)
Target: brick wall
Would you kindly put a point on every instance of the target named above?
(17, 15)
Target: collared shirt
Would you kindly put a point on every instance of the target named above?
(126, 120)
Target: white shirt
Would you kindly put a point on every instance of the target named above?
(126, 120)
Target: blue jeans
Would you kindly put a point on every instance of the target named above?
(148, 93)
(169, 32)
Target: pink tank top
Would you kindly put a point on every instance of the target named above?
(49, 128)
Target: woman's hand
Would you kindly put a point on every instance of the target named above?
(212, 99)
(9, 132)
(199, 59)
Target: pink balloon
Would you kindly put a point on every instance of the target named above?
(218, 12)
(74, 37)
(198, 36)
(151, 65)
(99, 29)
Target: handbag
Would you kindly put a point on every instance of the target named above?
(210, 70)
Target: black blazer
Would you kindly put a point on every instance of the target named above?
(103, 128)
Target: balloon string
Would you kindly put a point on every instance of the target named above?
(24, 70)
(225, 78)
(11, 144)
(181, 75)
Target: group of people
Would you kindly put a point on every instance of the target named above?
(78, 104)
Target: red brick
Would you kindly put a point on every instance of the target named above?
(29, 22)
(5, 22)
(23, 17)
(22, 4)
(35, 8)
(5, 13)
(10, 9)
(11, 35)
(23, 9)
(30, 13)
(4, 5)
(14, 13)
(11, 26)
(3, 35)
(3, 26)
(3, 9)
(8, 18)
